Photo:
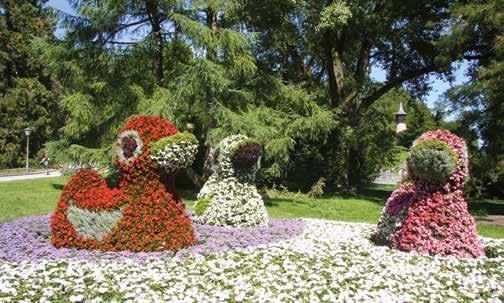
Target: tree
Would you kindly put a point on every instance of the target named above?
(331, 45)
(105, 23)
(210, 80)
(28, 94)
(479, 102)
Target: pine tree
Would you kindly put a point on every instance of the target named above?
(28, 94)
(210, 80)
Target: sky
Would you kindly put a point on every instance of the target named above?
(439, 86)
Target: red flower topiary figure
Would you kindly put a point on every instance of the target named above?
(143, 213)
(428, 213)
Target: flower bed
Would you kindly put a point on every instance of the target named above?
(328, 261)
(28, 239)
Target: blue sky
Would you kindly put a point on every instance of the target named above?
(439, 86)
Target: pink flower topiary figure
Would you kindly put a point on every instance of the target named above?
(428, 213)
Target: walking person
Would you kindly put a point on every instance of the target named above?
(45, 162)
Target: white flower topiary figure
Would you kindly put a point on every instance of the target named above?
(230, 197)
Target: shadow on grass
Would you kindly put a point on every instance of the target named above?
(374, 193)
(487, 207)
(58, 186)
(188, 194)
(272, 202)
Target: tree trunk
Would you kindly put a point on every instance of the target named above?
(211, 21)
(158, 40)
(333, 86)
(158, 54)
(197, 179)
(348, 169)
(211, 17)
(200, 179)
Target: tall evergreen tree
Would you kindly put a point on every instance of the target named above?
(210, 80)
(28, 94)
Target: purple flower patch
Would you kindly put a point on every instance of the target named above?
(129, 146)
(29, 239)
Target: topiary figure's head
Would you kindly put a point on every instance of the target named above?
(438, 157)
(245, 154)
(432, 160)
(150, 141)
(237, 156)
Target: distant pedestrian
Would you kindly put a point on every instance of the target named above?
(45, 162)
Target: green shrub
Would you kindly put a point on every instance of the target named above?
(493, 251)
(432, 160)
(317, 189)
(112, 175)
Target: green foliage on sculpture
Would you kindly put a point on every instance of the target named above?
(175, 152)
(92, 224)
(234, 199)
(432, 160)
(200, 206)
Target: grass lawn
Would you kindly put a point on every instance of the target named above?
(36, 197)
(29, 197)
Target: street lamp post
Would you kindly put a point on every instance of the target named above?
(27, 132)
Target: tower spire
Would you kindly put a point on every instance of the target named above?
(400, 119)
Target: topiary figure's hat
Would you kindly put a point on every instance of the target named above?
(146, 138)
(237, 156)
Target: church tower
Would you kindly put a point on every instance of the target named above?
(400, 119)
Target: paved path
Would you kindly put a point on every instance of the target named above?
(30, 176)
(496, 220)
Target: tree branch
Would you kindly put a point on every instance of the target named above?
(368, 101)
(333, 86)
(122, 27)
(363, 61)
(123, 42)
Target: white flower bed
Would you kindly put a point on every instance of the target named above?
(331, 262)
